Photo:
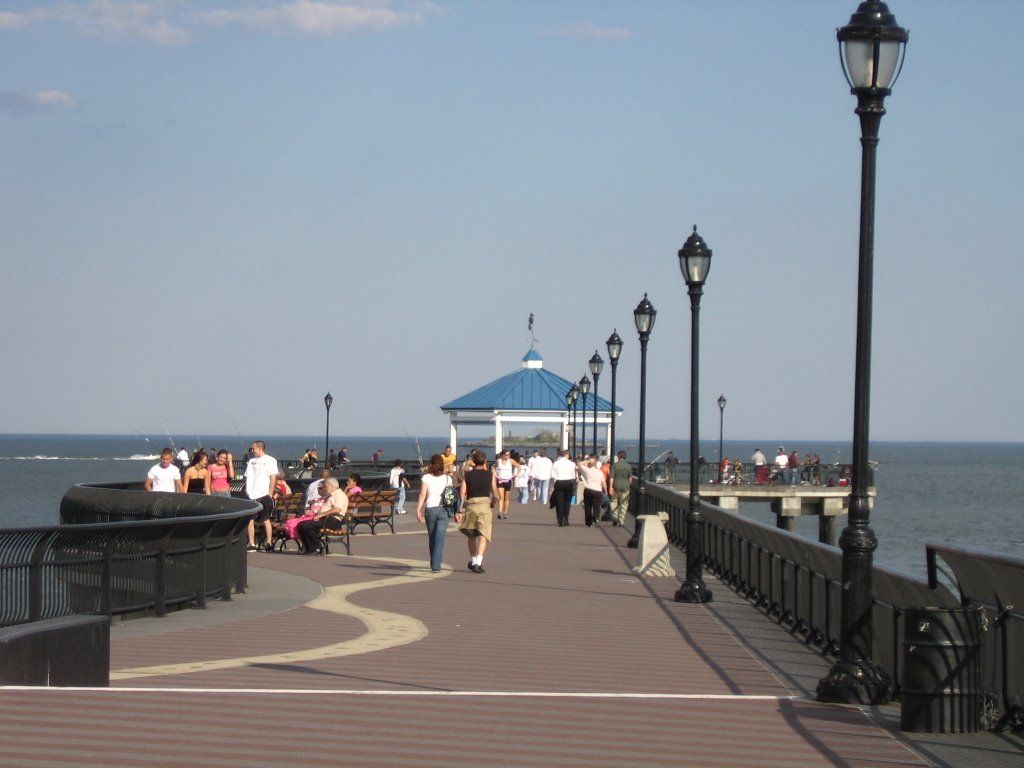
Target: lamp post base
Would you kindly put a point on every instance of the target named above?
(855, 682)
(693, 592)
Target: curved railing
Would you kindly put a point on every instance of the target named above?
(120, 551)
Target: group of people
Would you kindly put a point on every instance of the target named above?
(481, 492)
(199, 476)
(785, 469)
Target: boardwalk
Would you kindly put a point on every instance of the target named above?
(556, 656)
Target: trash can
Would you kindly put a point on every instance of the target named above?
(941, 690)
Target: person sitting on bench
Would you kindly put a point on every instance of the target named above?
(335, 506)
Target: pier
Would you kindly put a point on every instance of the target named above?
(556, 655)
(787, 502)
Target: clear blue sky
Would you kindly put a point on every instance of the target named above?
(212, 213)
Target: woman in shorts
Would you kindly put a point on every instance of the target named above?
(479, 491)
(505, 468)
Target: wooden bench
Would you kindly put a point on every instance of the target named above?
(373, 508)
(292, 505)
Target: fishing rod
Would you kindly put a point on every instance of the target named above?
(419, 453)
(150, 442)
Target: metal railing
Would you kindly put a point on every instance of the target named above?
(995, 584)
(796, 580)
(820, 474)
(121, 552)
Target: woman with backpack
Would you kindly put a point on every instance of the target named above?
(431, 510)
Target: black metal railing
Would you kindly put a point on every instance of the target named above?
(796, 580)
(829, 475)
(120, 551)
(995, 584)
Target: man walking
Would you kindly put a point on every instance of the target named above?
(164, 476)
(541, 473)
(621, 481)
(260, 475)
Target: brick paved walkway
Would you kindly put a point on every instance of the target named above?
(556, 656)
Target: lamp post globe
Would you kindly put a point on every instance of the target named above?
(614, 345)
(328, 402)
(872, 47)
(643, 316)
(694, 262)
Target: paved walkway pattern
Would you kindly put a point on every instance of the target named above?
(556, 656)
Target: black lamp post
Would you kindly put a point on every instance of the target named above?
(614, 345)
(584, 390)
(328, 401)
(568, 407)
(596, 366)
(571, 398)
(871, 51)
(644, 316)
(721, 432)
(694, 261)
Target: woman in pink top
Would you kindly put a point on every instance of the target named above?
(221, 474)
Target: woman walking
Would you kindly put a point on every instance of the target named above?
(197, 476)
(505, 468)
(221, 474)
(479, 491)
(431, 511)
(595, 487)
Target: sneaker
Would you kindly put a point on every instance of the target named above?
(476, 568)
(401, 512)
(251, 548)
(268, 547)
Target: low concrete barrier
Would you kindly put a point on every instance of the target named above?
(70, 651)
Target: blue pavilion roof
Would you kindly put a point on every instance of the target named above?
(530, 388)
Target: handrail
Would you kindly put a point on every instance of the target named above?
(795, 580)
(137, 552)
(995, 583)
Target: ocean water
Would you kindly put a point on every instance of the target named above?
(965, 494)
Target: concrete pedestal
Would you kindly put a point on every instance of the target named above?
(653, 547)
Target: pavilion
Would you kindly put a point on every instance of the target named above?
(529, 395)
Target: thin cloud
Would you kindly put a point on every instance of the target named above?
(35, 101)
(132, 19)
(319, 17)
(589, 31)
(147, 20)
(12, 20)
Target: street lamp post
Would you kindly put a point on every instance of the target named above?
(614, 345)
(328, 401)
(584, 390)
(568, 407)
(721, 432)
(596, 366)
(694, 261)
(571, 398)
(872, 46)
(644, 316)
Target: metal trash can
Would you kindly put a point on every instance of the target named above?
(942, 689)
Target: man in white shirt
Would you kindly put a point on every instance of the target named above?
(164, 476)
(260, 475)
(540, 472)
(781, 463)
(563, 472)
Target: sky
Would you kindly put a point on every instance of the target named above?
(213, 213)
